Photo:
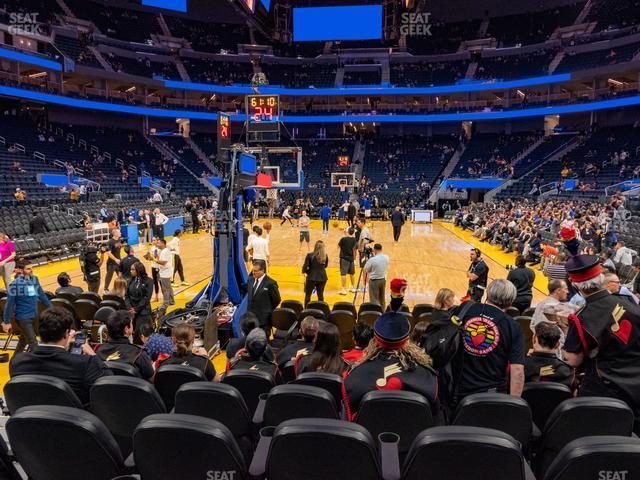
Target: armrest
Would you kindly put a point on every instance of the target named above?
(528, 473)
(259, 462)
(292, 329)
(129, 462)
(389, 459)
(258, 416)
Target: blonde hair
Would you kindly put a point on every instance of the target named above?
(119, 287)
(441, 298)
(408, 356)
(320, 252)
(183, 336)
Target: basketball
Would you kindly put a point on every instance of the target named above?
(336, 224)
(267, 226)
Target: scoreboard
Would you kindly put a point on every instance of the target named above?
(224, 136)
(263, 113)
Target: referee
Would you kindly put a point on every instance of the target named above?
(478, 275)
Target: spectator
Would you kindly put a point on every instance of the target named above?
(120, 349)
(119, 287)
(248, 321)
(127, 262)
(522, 278)
(256, 355)
(543, 365)
(20, 195)
(155, 344)
(612, 283)
(624, 255)
(160, 221)
(606, 260)
(164, 259)
(302, 346)
(362, 335)
(376, 275)
(23, 296)
(64, 280)
(51, 357)
(138, 296)
(7, 259)
(315, 271)
(325, 356)
(183, 337)
(37, 225)
(325, 215)
(558, 292)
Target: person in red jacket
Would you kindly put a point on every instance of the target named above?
(362, 335)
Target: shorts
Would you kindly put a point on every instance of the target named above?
(347, 267)
(304, 237)
(367, 213)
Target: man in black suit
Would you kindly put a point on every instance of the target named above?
(397, 220)
(52, 357)
(264, 295)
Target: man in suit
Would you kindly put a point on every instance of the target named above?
(52, 357)
(263, 295)
(397, 220)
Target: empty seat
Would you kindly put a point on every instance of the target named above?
(582, 417)
(71, 297)
(331, 382)
(285, 321)
(251, 384)
(319, 305)
(186, 447)
(220, 402)
(346, 306)
(369, 307)
(85, 309)
(312, 312)
(25, 390)
(103, 313)
(369, 317)
(169, 378)
(498, 411)
(294, 305)
(543, 398)
(602, 457)
(512, 312)
(63, 443)
(438, 452)
(421, 308)
(527, 333)
(401, 412)
(345, 321)
(286, 402)
(112, 304)
(90, 296)
(110, 394)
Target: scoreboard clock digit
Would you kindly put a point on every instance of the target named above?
(263, 113)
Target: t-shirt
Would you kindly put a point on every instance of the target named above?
(114, 248)
(6, 249)
(523, 279)
(491, 341)
(166, 270)
(303, 223)
(376, 267)
(174, 245)
(346, 245)
(482, 271)
(364, 234)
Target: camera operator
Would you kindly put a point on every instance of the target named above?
(90, 262)
(376, 275)
(363, 237)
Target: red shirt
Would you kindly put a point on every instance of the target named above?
(353, 355)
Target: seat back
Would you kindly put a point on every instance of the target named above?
(43, 437)
(284, 318)
(331, 440)
(498, 411)
(331, 382)
(286, 402)
(109, 394)
(319, 305)
(90, 296)
(71, 297)
(251, 384)
(112, 304)
(606, 457)
(527, 333)
(203, 446)
(288, 372)
(512, 312)
(85, 309)
(543, 398)
(169, 378)
(122, 369)
(401, 412)
(25, 390)
(103, 313)
(582, 417)
(425, 317)
(529, 312)
(346, 306)
(369, 317)
(294, 305)
(369, 307)
(312, 312)
(437, 451)
(113, 298)
(345, 322)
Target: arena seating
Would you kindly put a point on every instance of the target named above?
(206, 39)
(353, 77)
(75, 49)
(608, 56)
(318, 75)
(612, 14)
(208, 70)
(444, 38)
(534, 64)
(143, 66)
(421, 73)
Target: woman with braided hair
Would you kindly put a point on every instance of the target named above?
(391, 362)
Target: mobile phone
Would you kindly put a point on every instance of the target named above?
(81, 339)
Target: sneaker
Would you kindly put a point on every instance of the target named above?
(184, 284)
(353, 290)
(174, 284)
(342, 292)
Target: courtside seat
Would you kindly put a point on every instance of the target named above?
(331, 382)
(437, 451)
(103, 313)
(368, 317)
(312, 312)
(26, 390)
(220, 402)
(512, 312)
(285, 321)
(345, 321)
(138, 397)
(169, 378)
(347, 306)
(286, 402)
(122, 369)
(497, 411)
(90, 296)
(543, 398)
(294, 305)
(581, 417)
(63, 443)
(85, 309)
(606, 457)
(251, 384)
(369, 307)
(401, 412)
(318, 305)
(527, 334)
(67, 296)
(421, 308)
(168, 446)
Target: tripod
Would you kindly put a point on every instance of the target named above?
(364, 256)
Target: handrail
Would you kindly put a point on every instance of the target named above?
(160, 184)
(19, 147)
(144, 173)
(625, 182)
(548, 189)
(59, 131)
(71, 137)
(94, 149)
(82, 143)
(106, 155)
(3, 141)
(119, 162)
(40, 156)
(133, 169)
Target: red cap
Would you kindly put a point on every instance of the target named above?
(567, 234)
(398, 286)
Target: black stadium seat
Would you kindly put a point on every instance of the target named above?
(25, 390)
(172, 446)
(169, 378)
(85, 309)
(122, 369)
(369, 307)
(331, 382)
(63, 443)
(488, 455)
(543, 398)
(251, 384)
(368, 317)
(318, 305)
(312, 312)
(103, 313)
(345, 321)
(139, 398)
(295, 305)
(285, 321)
(602, 457)
(286, 402)
(347, 306)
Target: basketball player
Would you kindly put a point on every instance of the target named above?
(303, 222)
(286, 216)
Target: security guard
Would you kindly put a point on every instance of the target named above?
(120, 349)
(603, 337)
(391, 362)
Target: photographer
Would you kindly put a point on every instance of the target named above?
(363, 237)
(375, 271)
(90, 262)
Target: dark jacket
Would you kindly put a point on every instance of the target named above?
(79, 371)
(263, 303)
(125, 265)
(72, 289)
(138, 295)
(547, 367)
(397, 218)
(316, 271)
(122, 350)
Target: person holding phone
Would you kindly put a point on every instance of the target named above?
(59, 355)
(23, 296)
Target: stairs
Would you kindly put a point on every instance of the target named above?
(200, 154)
(556, 61)
(65, 8)
(358, 155)
(471, 70)
(184, 75)
(386, 71)
(106, 65)
(526, 152)
(584, 13)
(163, 25)
(448, 170)
(339, 77)
(484, 26)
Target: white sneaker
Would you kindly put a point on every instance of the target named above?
(342, 292)
(353, 290)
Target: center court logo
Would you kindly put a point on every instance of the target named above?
(415, 24)
(24, 23)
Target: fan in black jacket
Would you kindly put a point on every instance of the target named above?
(315, 268)
(138, 295)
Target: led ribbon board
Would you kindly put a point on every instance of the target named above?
(315, 24)
(175, 5)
